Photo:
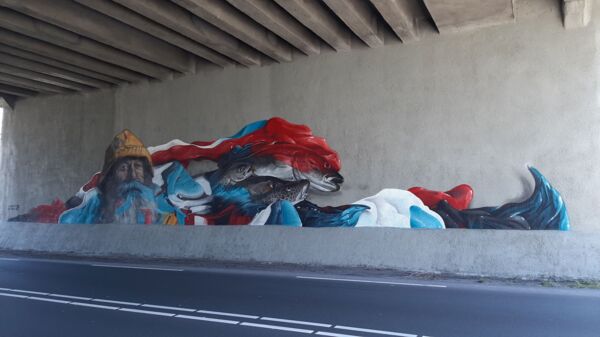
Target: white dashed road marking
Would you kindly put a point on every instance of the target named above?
(134, 267)
(148, 312)
(198, 318)
(97, 306)
(226, 314)
(47, 299)
(376, 282)
(13, 295)
(72, 297)
(276, 327)
(29, 292)
(115, 302)
(166, 307)
(380, 332)
(332, 334)
(207, 319)
(295, 322)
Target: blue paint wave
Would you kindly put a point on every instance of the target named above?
(419, 218)
(283, 213)
(342, 216)
(544, 209)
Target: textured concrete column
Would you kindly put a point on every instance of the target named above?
(576, 13)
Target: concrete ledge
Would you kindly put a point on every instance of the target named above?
(523, 254)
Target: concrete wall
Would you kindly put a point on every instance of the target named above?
(468, 108)
(51, 146)
(526, 254)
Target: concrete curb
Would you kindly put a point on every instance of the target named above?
(523, 254)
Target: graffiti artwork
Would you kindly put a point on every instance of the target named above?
(544, 209)
(263, 175)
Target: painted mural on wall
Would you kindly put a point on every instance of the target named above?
(263, 175)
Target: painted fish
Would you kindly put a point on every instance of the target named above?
(240, 165)
(267, 190)
(239, 203)
(273, 147)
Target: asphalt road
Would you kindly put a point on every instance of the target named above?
(50, 298)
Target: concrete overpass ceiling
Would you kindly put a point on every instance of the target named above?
(64, 46)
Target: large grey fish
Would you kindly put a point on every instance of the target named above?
(237, 171)
(267, 190)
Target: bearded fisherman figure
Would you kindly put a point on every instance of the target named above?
(125, 192)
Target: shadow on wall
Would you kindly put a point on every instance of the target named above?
(262, 175)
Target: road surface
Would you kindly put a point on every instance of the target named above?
(60, 298)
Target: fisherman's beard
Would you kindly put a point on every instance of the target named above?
(135, 203)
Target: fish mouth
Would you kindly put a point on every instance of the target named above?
(324, 182)
(334, 178)
(331, 182)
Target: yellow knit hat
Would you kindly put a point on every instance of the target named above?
(125, 144)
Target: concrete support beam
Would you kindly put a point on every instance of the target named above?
(315, 16)
(360, 18)
(182, 21)
(25, 55)
(576, 13)
(15, 91)
(32, 75)
(140, 22)
(280, 22)
(31, 84)
(402, 16)
(11, 100)
(452, 16)
(227, 18)
(52, 71)
(39, 31)
(84, 21)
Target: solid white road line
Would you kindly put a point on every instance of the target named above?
(276, 327)
(115, 302)
(199, 318)
(168, 308)
(13, 295)
(226, 314)
(380, 332)
(323, 333)
(376, 282)
(295, 322)
(8, 259)
(28, 292)
(47, 299)
(207, 319)
(134, 267)
(148, 312)
(5, 289)
(71, 297)
(94, 305)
